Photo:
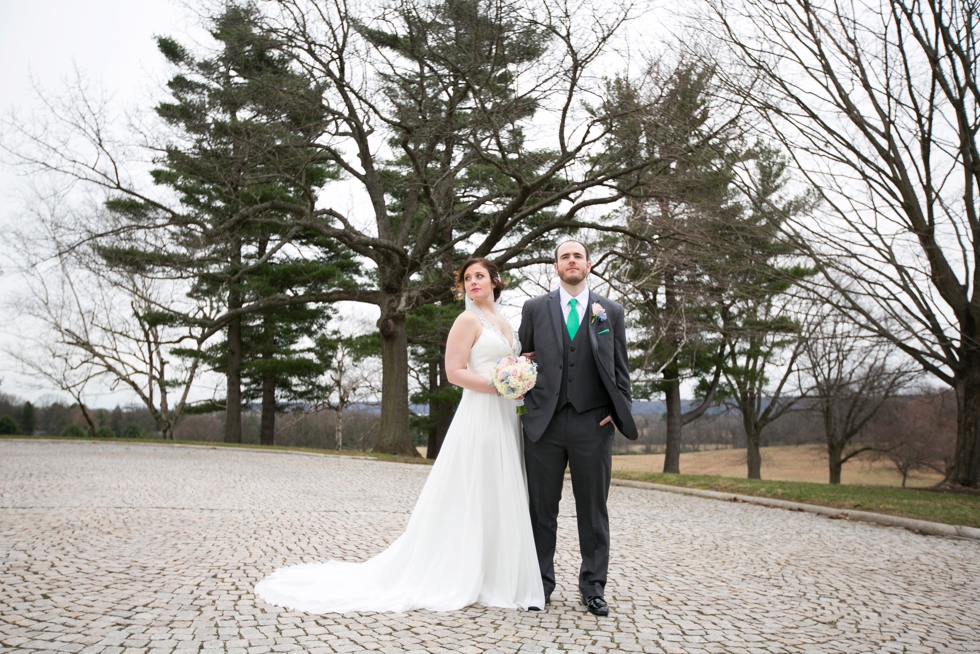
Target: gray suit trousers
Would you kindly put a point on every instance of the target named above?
(575, 439)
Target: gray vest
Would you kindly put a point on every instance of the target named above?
(580, 382)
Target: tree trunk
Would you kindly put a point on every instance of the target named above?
(89, 418)
(445, 410)
(966, 462)
(233, 381)
(440, 411)
(267, 430)
(432, 445)
(672, 455)
(833, 455)
(339, 431)
(834, 445)
(233, 371)
(395, 437)
(752, 455)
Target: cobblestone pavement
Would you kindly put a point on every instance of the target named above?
(108, 547)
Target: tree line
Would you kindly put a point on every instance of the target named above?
(54, 418)
(784, 221)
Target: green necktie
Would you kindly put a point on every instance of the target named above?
(572, 322)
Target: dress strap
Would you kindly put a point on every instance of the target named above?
(483, 319)
(487, 324)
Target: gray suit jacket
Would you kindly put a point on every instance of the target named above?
(541, 332)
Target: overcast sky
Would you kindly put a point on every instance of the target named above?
(110, 40)
(111, 44)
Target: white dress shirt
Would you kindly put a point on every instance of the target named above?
(581, 307)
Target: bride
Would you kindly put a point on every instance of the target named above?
(469, 537)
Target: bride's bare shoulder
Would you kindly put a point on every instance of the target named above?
(465, 330)
(468, 321)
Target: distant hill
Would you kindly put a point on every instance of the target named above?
(658, 407)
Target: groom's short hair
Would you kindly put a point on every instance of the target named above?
(588, 256)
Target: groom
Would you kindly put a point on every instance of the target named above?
(578, 339)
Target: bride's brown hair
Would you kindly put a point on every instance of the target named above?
(498, 283)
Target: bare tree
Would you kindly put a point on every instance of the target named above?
(349, 378)
(468, 127)
(57, 363)
(767, 338)
(916, 433)
(851, 378)
(879, 104)
(81, 323)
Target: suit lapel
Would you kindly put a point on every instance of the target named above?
(557, 319)
(592, 336)
(601, 360)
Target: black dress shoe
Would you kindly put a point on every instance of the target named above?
(547, 599)
(597, 605)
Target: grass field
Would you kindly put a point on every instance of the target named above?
(785, 463)
(946, 507)
(800, 474)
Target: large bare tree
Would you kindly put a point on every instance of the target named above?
(850, 378)
(83, 322)
(879, 103)
(465, 127)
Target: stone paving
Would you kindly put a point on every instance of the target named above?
(108, 547)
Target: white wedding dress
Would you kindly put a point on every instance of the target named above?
(469, 537)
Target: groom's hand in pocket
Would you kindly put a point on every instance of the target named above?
(605, 421)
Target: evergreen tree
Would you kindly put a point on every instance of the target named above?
(666, 270)
(8, 426)
(28, 419)
(116, 420)
(241, 160)
(278, 359)
(760, 322)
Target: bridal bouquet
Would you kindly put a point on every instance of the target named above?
(513, 377)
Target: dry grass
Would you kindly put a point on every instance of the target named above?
(806, 463)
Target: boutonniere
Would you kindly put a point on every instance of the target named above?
(598, 312)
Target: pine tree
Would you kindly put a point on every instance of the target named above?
(241, 161)
(28, 419)
(759, 322)
(666, 270)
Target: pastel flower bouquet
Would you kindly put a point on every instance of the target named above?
(513, 377)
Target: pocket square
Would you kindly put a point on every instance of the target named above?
(604, 331)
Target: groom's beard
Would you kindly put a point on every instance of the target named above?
(573, 277)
